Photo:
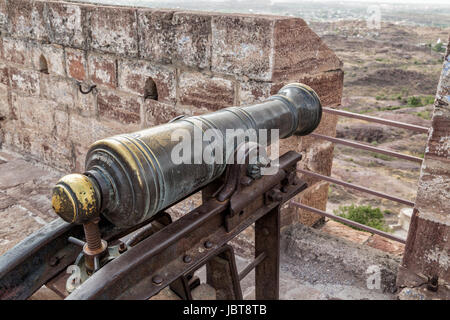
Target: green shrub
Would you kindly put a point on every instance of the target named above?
(414, 101)
(382, 156)
(426, 100)
(438, 47)
(390, 108)
(424, 115)
(372, 217)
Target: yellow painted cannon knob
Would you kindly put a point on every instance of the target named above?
(76, 198)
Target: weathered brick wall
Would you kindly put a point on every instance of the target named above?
(427, 252)
(200, 62)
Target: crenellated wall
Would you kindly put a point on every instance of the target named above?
(197, 61)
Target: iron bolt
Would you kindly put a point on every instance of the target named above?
(122, 247)
(208, 244)
(187, 259)
(265, 232)
(433, 284)
(157, 280)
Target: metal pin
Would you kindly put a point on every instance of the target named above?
(76, 241)
(96, 263)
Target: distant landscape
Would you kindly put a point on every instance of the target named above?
(426, 13)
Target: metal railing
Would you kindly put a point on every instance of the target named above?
(362, 146)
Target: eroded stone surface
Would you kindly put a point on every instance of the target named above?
(427, 249)
(114, 30)
(25, 192)
(212, 93)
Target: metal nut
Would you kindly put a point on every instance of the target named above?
(208, 244)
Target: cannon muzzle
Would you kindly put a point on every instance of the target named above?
(131, 177)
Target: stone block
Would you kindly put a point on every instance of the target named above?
(203, 91)
(192, 39)
(49, 59)
(5, 110)
(433, 194)
(298, 50)
(66, 24)
(427, 250)
(156, 35)
(242, 45)
(60, 90)
(26, 19)
(17, 51)
(35, 114)
(135, 74)
(84, 131)
(319, 158)
(439, 144)
(156, 112)
(343, 231)
(25, 81)
(3, 15)
(119, 107)
(102, 70)
(253, 91)
(114, 30)
(86, 104)
(76, 64)
(315, 196)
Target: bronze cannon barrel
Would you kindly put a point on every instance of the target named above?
(130, 177)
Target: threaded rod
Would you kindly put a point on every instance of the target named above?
(93, 237)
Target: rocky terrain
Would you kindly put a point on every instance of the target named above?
(392, 73)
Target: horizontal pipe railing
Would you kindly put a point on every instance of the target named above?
(377, 120)
(358, 145)
(252, 265)
(347, 221)
(356, 187)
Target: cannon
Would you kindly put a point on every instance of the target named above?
(115, 239)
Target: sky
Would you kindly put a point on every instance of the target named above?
(291, 1)
(359, 1)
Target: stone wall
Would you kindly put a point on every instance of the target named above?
(427, 251)
(199, 62)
